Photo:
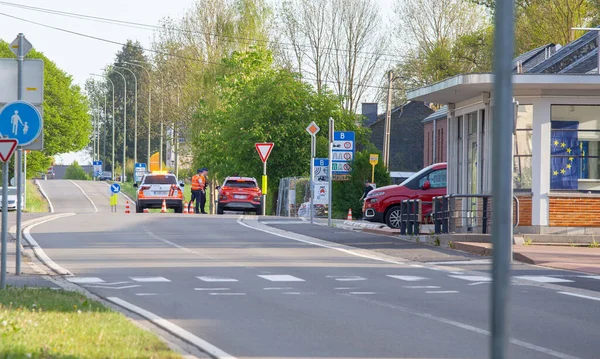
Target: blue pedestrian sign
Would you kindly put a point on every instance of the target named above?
(20, 120)
(115, 188)
(343, 152)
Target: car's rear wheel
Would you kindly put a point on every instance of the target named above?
(258, 210)
(393, 217)
(219, 210)
(139, 209)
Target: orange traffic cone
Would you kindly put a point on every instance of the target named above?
(191, 211)
(146, 210)
(185, 207)
(164, 207)
(127, 207)
(349, 218)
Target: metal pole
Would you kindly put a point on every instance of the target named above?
(330, 170)
(113, 124)
(18, 165)
(388, 119)
(4, 223)
(135, 120)
(105, 122)
(312, 177)
(264, 196)
(162, 119)
(502, 161)
(124, 126)
(176, 137)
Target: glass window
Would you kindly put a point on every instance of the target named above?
(575, 148)
(240, 184)
(160, 179)
(522, 142)
(437, 179)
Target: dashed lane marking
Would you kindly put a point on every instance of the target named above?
(346, 288)
(363, 293)
(216, 279)
(281, 278)
(224, 293)
(278, 288)
(211, 289)
(407, 278)
(421, 287)
(150, 279)
(346, 278)
(472, 278)
(441, 291)
(145, 294)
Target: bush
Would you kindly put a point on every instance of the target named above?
(75, 172)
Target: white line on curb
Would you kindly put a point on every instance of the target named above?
(173, 329)
(39, 252)
(45, 196)
(86, 196)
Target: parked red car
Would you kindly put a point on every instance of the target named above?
(240, 194)
(383, 204)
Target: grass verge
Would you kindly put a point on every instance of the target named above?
(46, 323)
(34, 199)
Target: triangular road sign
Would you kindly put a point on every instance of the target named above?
(264, 150)
(7, 147)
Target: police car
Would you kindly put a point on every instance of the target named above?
(157, 187)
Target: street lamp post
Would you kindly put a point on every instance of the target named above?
(113, 123)
(136, 107)
(124, 125)
(149, 105)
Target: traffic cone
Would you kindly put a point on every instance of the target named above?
(185, 207)
(349, 218)
(127, 207)
(164, 207)
(146, 210)
(191, 211)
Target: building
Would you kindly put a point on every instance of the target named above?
(406, 135)
(556, 172)
(434, 137)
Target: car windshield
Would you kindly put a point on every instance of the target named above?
(240, 184)
(418, 174)
(160, 179)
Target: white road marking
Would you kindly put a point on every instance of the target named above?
(200, 289)
(478, 283)
(345, 288)
(590, 276)
(468, 327)
(174, 329)
(296, 293)
(363, 293)
(115, 283)
(150, 279)
(86, 196)
(145, 294)
(477, 261)
(39, 252)
(580, 296)
(408, 278)
(543, 279)
(216, 279)
(221, 293)
(421, 287)
(108, 287)
(441, 291)
(346, 278)
(472, 278)
(284, 222)
(45, 196)
(281, 278)
(416, 265)
(278, 288)
(85, 280)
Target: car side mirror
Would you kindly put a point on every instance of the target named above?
(426, 185)
(218, 188)
(182, 184)
(135, 185)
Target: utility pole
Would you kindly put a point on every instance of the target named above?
(388, 120)
(124, 126)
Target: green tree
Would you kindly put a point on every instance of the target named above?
(76, 172)
(347, 194)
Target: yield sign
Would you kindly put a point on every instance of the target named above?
(264, 150)
(7, 147)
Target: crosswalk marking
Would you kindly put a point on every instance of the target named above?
(472, 278)
(85, 280)
(216, 279)
(150, 279)
(281, 278)
(543, 279)
(408, 278)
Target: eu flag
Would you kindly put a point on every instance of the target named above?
(565, 155)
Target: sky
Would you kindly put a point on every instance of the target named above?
(80, 56)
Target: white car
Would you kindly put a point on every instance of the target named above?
(157, 187)
(12, 199)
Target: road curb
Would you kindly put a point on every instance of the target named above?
(364, 225)
(39, 186)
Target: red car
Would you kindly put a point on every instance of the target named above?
(383, 204)
(239, 194)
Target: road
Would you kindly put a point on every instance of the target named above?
(274, 288)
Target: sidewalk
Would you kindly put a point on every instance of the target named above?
(29, 277)
(581, 259)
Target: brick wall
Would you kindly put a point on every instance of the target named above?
(525, 210)
(441, 142)
(577, 211)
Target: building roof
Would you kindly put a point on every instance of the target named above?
(568, 54)
(437, 115)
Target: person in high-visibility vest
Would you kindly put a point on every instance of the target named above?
(203, 191)
(198, 184)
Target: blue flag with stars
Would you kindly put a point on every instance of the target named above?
(565, 155)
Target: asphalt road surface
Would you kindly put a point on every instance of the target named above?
(256, 290)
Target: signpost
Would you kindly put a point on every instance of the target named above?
(7, 147)
(115, 188)
(264, 150)
(312, 130)
(330, 169)
(342, 153)
(374, 160)
(320, 176)
(97, 168)
(139, 172)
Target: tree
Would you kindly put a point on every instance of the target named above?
(75, 172)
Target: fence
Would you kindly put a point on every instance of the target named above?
(292, 193)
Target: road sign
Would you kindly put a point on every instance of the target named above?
(313, 129)
(140, 171)
(20, 120)
(115, 188)
(14, 46)
(373, 159)
(7, 147)
(97, 168)
(32, 86)
(342, 152)
(321, 169)
(264, 150)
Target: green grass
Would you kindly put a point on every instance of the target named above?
(35, 202)
(46, 323)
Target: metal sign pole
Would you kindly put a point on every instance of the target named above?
(502, 162)
(18, 162)
(330, 170)
(312, 177)
(4, 223)
(264, 201)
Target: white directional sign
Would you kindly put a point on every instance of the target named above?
(33, 81)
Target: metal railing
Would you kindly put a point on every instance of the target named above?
(410, 218)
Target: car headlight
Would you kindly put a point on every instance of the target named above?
(376, 194)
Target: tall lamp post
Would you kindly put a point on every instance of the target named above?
(124, 125)
(136, 107)
(149, 105)
(113, 123)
